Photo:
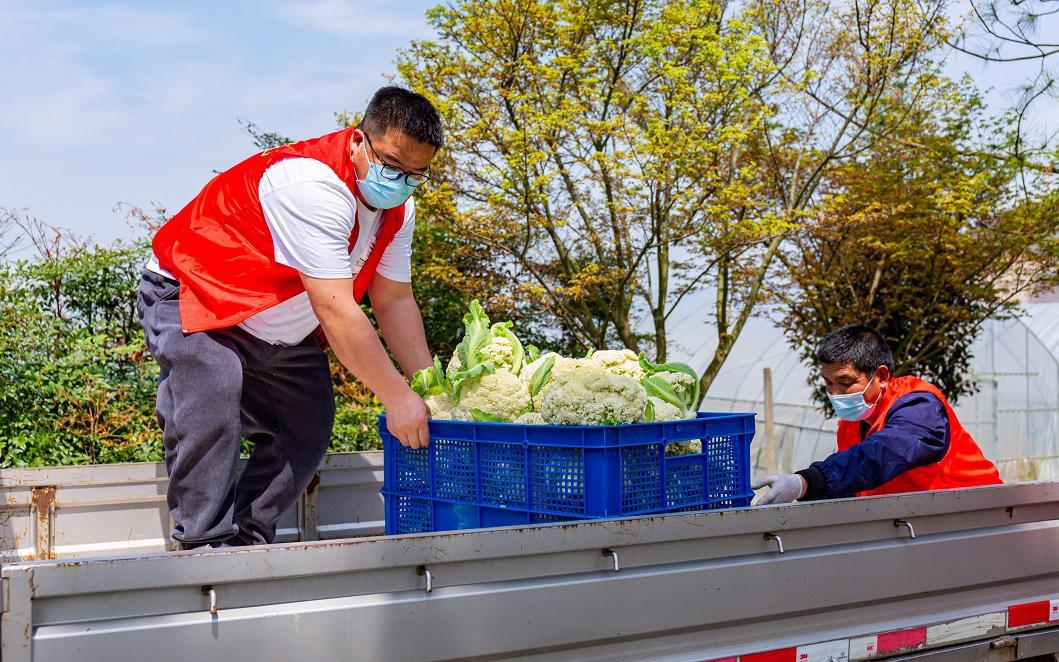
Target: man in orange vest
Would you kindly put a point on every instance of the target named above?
(242, 281)
(895, 434)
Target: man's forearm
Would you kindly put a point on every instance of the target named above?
(401, 324)
(357, 346)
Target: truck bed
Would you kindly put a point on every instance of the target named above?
(851, 583)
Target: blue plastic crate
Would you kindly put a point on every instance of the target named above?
(476, 475)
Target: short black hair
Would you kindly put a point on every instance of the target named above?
(860, 345)
(394, 107)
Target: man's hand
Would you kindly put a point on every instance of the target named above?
(407, 420)
(785, 488)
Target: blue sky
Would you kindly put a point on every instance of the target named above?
(107, 102)
(137, 101)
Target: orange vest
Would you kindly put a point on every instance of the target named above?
(962, 466)
(220, 248)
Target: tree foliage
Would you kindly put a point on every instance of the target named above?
(585, 139)
(924, 238)
(76, 385)
(615, 156)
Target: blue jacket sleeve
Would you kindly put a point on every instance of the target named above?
(916, 433)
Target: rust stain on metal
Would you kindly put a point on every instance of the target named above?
(43, 499)
(313, 484)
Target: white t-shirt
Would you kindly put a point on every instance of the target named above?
(310, 213)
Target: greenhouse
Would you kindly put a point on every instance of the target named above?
(1014, 416)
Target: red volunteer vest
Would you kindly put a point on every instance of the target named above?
(220, 249)
(963, 464)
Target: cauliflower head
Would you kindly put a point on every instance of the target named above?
(562, 366)
(454, 366)
(618, 362)
(665, 411)
(592, 396)
(693, 447)
(681, 382)
(440, 406)
(500, 394)
(499, 351)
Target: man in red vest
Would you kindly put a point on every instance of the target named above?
(895, 434)
(274, 249)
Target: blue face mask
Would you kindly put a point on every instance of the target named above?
(852, 406)
(380, 192)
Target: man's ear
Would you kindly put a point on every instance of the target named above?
(883, 375)
(356, 136)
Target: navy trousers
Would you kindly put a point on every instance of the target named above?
(216, 388)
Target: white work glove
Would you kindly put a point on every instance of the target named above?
(785, 488)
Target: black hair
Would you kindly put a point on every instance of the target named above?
(860, 345)
(394, 107)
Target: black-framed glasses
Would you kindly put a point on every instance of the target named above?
(393, 173)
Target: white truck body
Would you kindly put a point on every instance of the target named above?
(978, 581)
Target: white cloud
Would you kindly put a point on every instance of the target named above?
(66, 68)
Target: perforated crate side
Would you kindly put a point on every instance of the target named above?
(489, 474)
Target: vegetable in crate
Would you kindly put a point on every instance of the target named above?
(592, 396)
(492, 377)
(498, 397)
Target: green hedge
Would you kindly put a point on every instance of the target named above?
(77, 385)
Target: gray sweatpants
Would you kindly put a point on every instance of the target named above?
(217, 387)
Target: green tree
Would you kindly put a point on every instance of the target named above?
(924, 238)
(615, 156)
(586, 137)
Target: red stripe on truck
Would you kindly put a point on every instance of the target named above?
(781, 655)
(1030, 613)
(892, 642)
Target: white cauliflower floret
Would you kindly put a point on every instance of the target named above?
(618, 362)
(531, 418)
(592, 396)
(500, 394)
(562, 366)
(499, 351)
(440, 406)
(665, 411)
(681, 382)
(530, 368)
(454, 366)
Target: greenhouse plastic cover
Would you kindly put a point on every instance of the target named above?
(1014, 416)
